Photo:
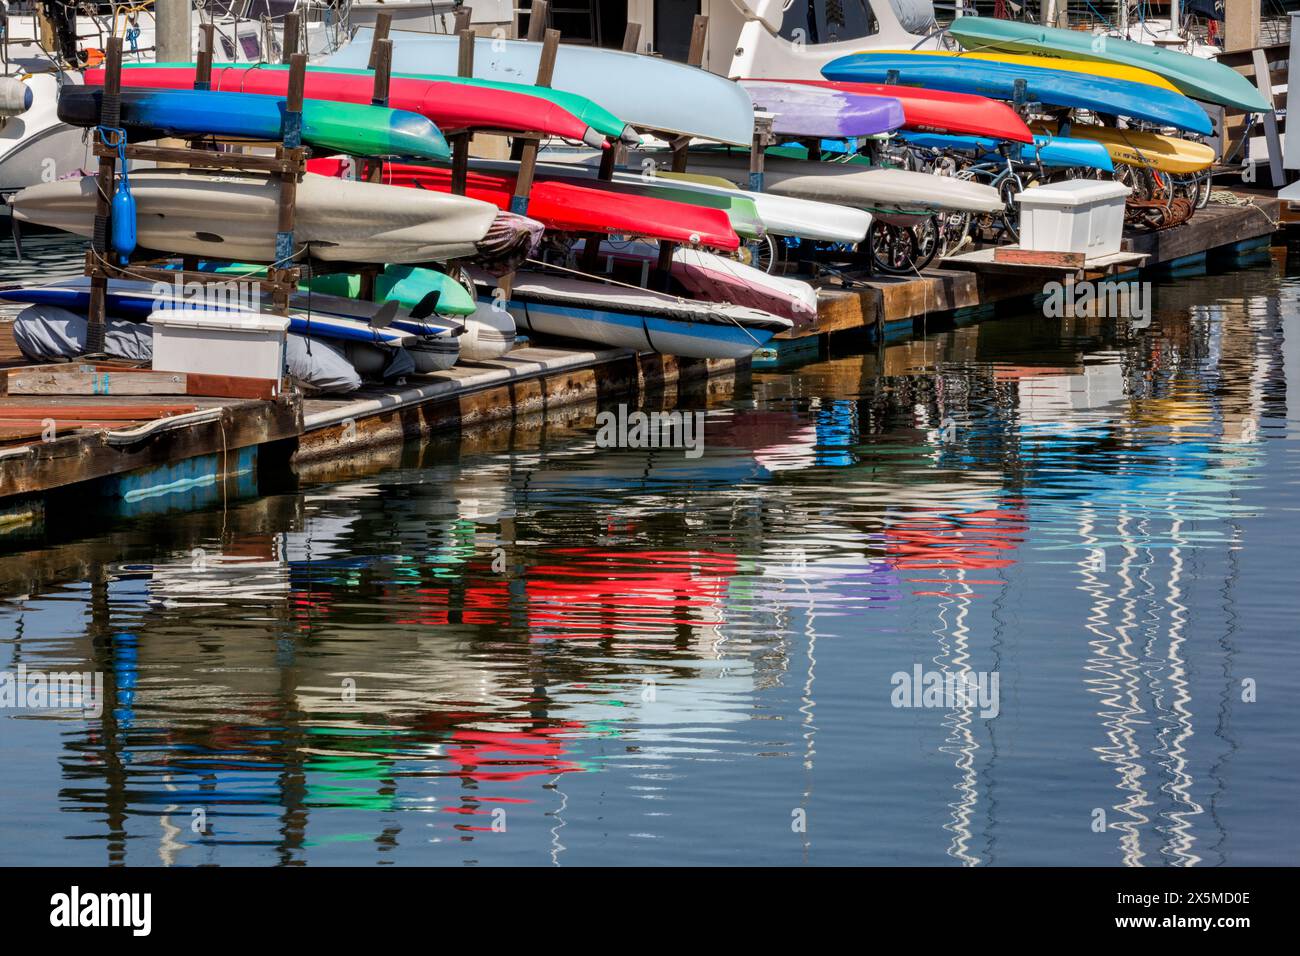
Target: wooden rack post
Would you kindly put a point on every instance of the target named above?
(538, 15)
(757, 151)
(203, 68)
(290, 152)
(462, 22)
(383, 22)
(292, 33)
(460, 140)
(109, 116)
(528, 156)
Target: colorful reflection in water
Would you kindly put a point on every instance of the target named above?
(523, 648)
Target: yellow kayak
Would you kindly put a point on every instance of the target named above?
(1168, 154)
(1114, 71)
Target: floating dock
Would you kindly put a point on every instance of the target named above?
(159, 447)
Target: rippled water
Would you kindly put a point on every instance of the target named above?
(519, 647)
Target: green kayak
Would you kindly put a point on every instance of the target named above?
(408, 285)
(1194, 76)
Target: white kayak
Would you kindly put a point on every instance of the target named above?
(621, 317)
(230, 216)
(714, 278)
(647, 92)
(876, 189)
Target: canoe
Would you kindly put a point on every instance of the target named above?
(1060, 88)
(593, 114)
(573, 207)
(233, 217)
(1047, 150)
(939, 111)
(617, 317)
(714, 278)
(648, 92)
(875, 189)
(1194, 76)
(803, 110)
(356, 129)
(452, 106)
(1114, 71)
(1133, 147)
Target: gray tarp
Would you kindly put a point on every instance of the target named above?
(46, 333)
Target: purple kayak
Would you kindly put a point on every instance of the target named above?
(804, 110)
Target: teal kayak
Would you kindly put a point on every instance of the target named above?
(408, 285)
(1196, 77)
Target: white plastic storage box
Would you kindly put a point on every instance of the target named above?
(1078, 215)
(246, 344)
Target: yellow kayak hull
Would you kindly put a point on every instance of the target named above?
(1167, 154)
(1114, 71)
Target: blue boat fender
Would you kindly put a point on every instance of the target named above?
(123, 205)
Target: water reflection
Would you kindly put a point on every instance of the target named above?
(517, 646)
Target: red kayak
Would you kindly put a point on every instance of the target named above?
(452, 106)
(938, 111)
(568, 207)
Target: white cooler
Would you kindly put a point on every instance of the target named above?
(245, 344)
(1079, 215)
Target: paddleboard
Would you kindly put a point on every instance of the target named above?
(803, 110)
(1194, 76)
(651, 93)
(360, 130)
(1060, 88)
(233, 216)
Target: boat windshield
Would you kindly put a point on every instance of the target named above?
(828, 21)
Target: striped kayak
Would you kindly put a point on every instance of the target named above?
(1046, 150)
(452, 106)
(1113, 71)
(356, 129)
(1134, 147)
(1051, 87)
(1194, 76)
(938, 111)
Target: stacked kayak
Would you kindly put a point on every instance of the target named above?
(1198, 78)
(1025, 83)
(1046, 150)
(801, 110)
(361, 130)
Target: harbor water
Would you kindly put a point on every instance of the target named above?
(524, 646)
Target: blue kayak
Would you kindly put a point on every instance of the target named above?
(1045, 150)
(1061, 88)
(354, 128)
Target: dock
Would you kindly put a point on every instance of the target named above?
(887, 307)
(160, 448)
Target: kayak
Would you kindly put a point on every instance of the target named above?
(406, 284)
(875, 189)
(1060, 88)
(231, 216)
(452, 106)
(357, 129)
(1114, 71)
(802, 110)
(649, 92)
(593, 114)
(1046, 150)
(1194, 76)
(939, 111)
(1134, 147)
(576, 207)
